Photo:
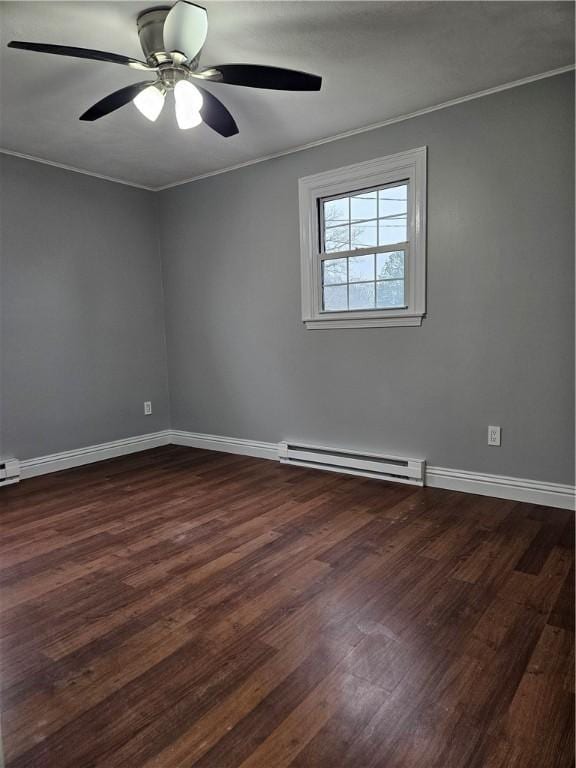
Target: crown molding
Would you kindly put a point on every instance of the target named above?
(375, 126)
(73, 168)
(310, 145)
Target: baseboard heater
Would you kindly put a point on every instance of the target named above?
(9, 471)
(379, 466)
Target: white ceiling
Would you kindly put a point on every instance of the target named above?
(379, 60)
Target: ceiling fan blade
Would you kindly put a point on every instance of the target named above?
(80, 53)
(185, 29)
(216, 116)
(256, 76)
(114, 101)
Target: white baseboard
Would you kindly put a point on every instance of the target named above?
(68, 459)
(226, 444)
(498, 486)
(502, 487)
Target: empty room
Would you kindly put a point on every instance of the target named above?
(287, 466)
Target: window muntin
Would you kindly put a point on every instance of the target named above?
(375, 220)
(368, 281)
(365, 219)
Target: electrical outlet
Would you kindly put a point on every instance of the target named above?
(147, 408)
(494, 436)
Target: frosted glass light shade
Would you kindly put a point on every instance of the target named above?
(188, 104)
(150, 102)
(185, 29)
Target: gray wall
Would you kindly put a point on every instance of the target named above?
(82, 317)
(497, 344)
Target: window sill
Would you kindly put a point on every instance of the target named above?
(365, 322)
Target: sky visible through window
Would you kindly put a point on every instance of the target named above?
(365, 220)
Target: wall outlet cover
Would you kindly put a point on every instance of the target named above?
(494, 436)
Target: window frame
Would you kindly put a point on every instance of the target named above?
(407, 166)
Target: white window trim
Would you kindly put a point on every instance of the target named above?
(410, 165)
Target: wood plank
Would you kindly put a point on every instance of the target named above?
(181, 608)
(562, 614)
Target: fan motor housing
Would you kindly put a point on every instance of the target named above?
(150, 31)
(151, 34)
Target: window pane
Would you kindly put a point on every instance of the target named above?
(364, 235)
(335, 298)
(364, 206)
(390, 265)
(337, 211)
(393, 201)
(392, 230)
(337, 239)
(390, 294)
(334, 271)
(361, 296)
(361, 268)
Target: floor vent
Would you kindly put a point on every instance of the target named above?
(9, 471)
(379, 466)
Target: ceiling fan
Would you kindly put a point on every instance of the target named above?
(172, 40)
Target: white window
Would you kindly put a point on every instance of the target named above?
(363, 243)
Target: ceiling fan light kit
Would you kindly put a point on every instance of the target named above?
(150, 101)
(188, 100)
(172, 38)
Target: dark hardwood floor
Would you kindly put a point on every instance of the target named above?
(184, 608)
